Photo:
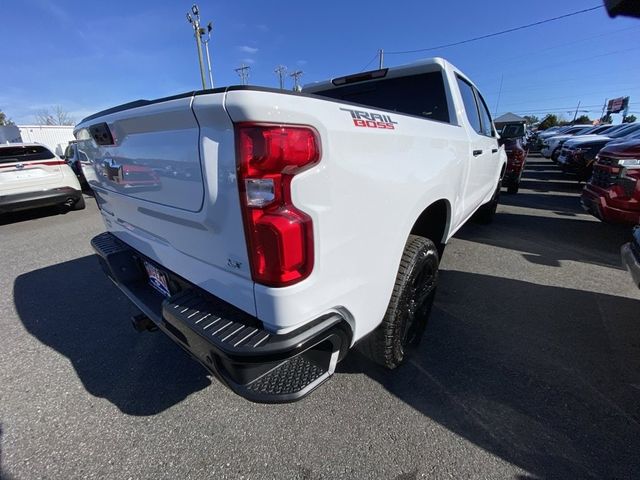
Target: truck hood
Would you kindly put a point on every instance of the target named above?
(585, 140)
(628, 148)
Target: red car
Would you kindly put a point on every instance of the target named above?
(516, 159)
(613, 192)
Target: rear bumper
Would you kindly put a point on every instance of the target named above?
(42, 198)
(596, 204)
(233, 345)
(630, 262)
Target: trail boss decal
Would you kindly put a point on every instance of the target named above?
(371, 120)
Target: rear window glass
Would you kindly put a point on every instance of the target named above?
(420, 95)
(24, 154)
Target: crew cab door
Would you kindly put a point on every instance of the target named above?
(483, 148)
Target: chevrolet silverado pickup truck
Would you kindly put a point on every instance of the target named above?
(300, 223)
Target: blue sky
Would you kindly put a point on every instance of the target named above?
(87, 56)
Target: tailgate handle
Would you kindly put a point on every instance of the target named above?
(477, 152)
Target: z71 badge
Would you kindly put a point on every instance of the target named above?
(371, 120)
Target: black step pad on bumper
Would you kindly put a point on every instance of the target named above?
(257, 364)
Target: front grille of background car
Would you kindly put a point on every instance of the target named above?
(602, 178)
(607, 161)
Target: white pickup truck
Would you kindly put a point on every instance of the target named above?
(268, 232)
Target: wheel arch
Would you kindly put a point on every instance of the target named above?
(434, 223)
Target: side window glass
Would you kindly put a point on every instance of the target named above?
(469, 101)
(487, 129)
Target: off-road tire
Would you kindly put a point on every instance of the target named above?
(406, 317)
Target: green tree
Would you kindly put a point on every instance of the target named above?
(629, 119)
(4, 120)
(548, 122)
(606, 119)
(583, 120)
(531, 119)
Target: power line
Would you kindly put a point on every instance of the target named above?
(369, 63)
(495, 34)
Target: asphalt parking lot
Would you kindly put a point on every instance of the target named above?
(530, 367)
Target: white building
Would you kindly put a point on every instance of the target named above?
(55, 137)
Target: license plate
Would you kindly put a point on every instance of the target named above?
(157, 279)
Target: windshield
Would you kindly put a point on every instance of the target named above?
(512, 131)
(576, 130)
(623, 132)
(24, 153)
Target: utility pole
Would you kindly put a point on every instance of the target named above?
(281, 71)
(603, 109)
(381, 55)
(243, 71)
(296, 80)
(575, 115)
(206, 46)
(195, 23)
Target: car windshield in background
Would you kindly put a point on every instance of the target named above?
(421, 95)
(623, 132)
(512, 131)
(24, 153)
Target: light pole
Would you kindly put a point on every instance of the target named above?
(296, 80)
(195, 23)
(281, 71)
(206, 46)
(243, 72)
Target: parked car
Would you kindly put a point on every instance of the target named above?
(630, 253)
(32, 176)
(516, 160)
(578, 154)
(612, 193)
(74, 159)
(551, 145)
(315, 221)
(555, 143)
(535, 142)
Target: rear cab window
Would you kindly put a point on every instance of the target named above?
(421, 95)
(10, 154)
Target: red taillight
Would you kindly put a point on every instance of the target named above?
(279, 236)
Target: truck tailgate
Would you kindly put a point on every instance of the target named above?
(166, 185)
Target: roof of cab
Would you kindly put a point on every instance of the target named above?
(414, 67)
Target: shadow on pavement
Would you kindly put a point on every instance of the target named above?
(73, 308)
(548, 240)
(569, 203)
(542, 377)
(544, 183)
(41, 212)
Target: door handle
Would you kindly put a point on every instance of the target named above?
(494, 150)
(477, 152)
